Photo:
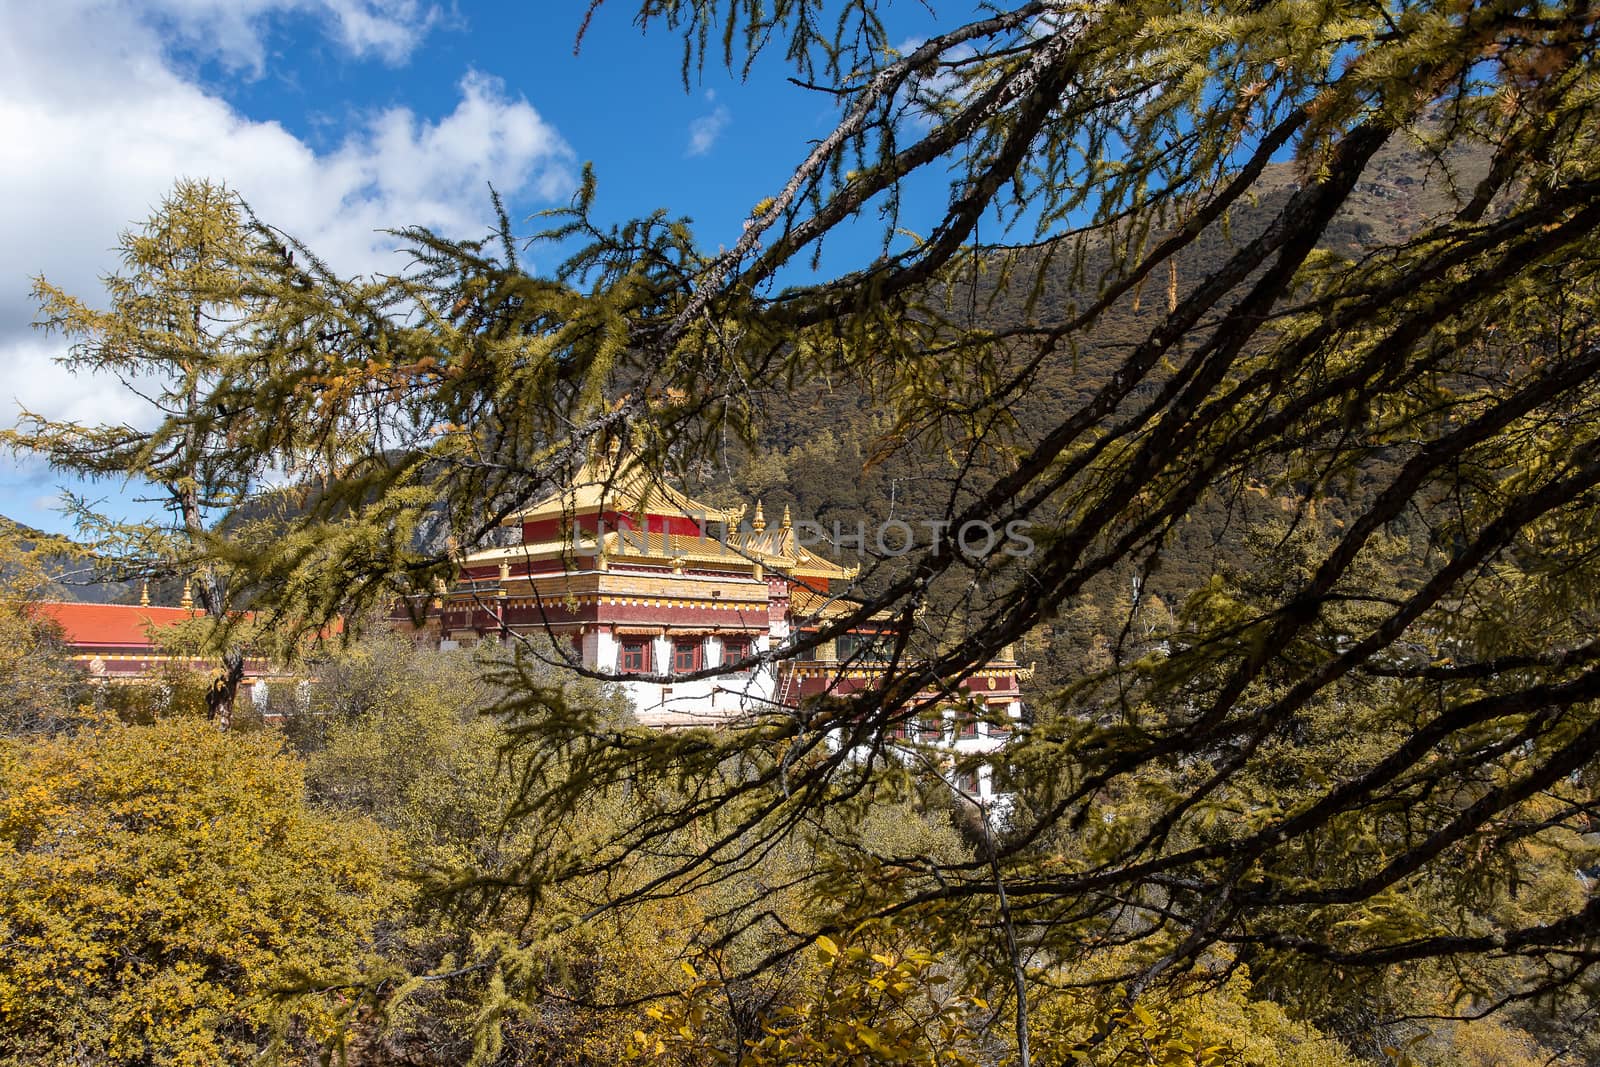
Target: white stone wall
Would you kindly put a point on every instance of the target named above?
(702, 701)
(928, 749)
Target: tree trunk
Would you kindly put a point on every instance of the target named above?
(224, 688)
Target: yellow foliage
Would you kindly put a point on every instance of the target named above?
(860, 1003)
(157, 883)
(1196, 1023)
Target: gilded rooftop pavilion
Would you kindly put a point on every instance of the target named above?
(652, 587)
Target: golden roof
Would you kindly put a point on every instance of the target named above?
(665, 550)
(620, 483)
(807, 603)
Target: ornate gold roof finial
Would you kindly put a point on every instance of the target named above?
(187, 603)
(759, 523)
(144, 593)
(784, 525)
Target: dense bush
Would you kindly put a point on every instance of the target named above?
(158, 883)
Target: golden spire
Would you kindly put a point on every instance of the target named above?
(784, 525)
(144, 593)
(187, 603)
(759, 523)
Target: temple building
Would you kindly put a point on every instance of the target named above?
(647, 585)
(132, 642)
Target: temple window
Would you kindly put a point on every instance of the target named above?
(864, 648)
(635, 656)
(685, 655)
(735, 649)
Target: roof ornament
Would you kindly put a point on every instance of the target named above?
(759, 523)
(144, 593)
(785, 524)
(187, 603)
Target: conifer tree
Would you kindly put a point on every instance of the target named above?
(180, 314)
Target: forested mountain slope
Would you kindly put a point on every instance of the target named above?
(828, 452)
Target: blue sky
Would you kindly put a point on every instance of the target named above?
(338, 118)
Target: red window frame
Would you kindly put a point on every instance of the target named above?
(734, 649)
(634, 657)
(686, 654)
(1001, 726)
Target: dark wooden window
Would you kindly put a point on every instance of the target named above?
(967, 724)
(685, 655)
(735, 649)
(636, 655)
(864, 648)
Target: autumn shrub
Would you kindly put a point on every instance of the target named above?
(159, 884)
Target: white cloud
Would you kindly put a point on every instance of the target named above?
(33, 381)
(704, 131)
(99, 121)
(236, 31)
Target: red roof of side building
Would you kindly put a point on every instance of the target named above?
(112, 625)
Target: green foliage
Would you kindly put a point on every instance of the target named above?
(179, 313)
(406, 736)
(157, 883)
(41, 684)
